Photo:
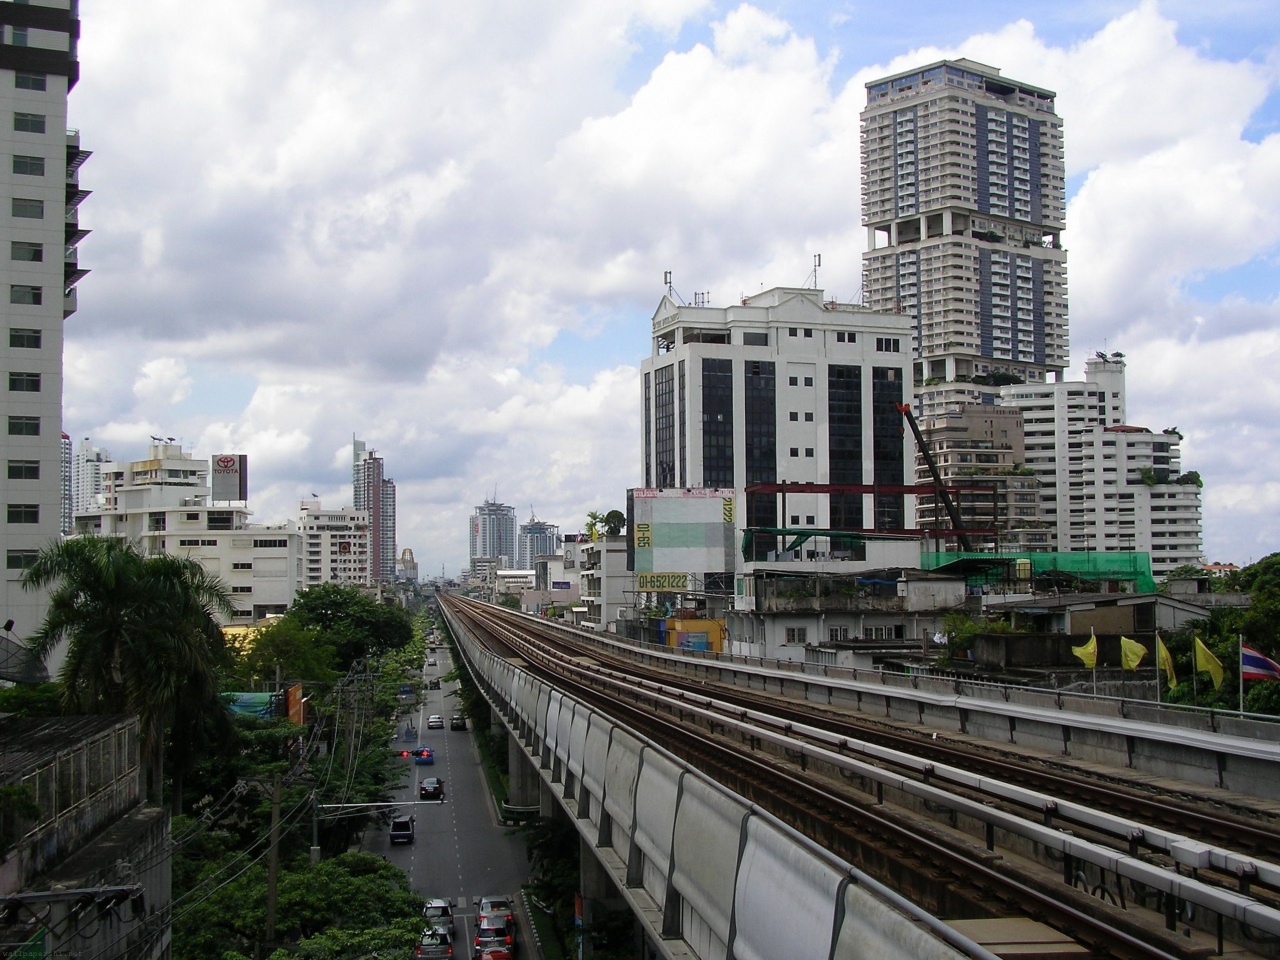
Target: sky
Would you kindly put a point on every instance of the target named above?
(443, 228)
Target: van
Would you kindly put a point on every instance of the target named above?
(402, 830)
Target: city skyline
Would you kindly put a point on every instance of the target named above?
(274, 273)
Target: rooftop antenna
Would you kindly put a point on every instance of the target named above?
(671, 287)
(817, 262)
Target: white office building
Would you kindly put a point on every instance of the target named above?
(86, 477)
(781, 390)
(536, 538)
(492, 536)
(336, 545)
(163, 504)
(1106, 485)
(38, 67)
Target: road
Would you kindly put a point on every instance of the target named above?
(461, 851)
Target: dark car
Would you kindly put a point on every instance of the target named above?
(434, 943)
(495, 930)
(457, 723)
(432, 788)
(402, 830)
(433, 684)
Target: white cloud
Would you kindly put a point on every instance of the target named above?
(429, 231)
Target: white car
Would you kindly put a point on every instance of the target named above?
(435, 722)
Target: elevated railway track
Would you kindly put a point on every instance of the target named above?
(964, 830)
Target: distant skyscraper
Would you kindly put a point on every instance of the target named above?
(376, 495)
(86, 477)
(38, 68)
(493, 534)
(536, 539)
(64, 476)
(964, 202)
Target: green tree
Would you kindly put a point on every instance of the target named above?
(142, 637)
(350, 621)
(285, 647)
(615, 521)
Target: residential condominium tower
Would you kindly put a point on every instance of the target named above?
(536, 538)
(373, 493)
(1106, 485)
(38, 67)
(782, 388)
(964, 202)
(493, 535)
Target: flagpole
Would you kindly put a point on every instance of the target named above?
(1240, 669)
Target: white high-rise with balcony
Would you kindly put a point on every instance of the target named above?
(38, 68)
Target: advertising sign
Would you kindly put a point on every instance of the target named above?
(561, 584)
(230, 476)
(653, 582)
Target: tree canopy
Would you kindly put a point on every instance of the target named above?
(351, 622)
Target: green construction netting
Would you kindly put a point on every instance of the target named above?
(1069, 568)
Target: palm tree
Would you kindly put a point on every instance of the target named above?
(595, 521)
(142, 636)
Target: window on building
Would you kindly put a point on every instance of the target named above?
(267, 544)
(27, 209)
(24, 382)
(24, 513)
(795, 519)
(793, 331)
(795, 451)
(794, 416)
(20, 559)
(189, 543)
(28, 166)
(18, 37)
(808, 417)
(24, 338)
(24, 469)
(755, 339)
(793, 381)
(28, 122)
(888, 345)
(810, 519)
(808, 451)
(242, 589)
(25, 293)
(808, 333)
(24, 80)
(808, 381)
(26, 251)
(242, 566)
(24, 426)
(797, 634)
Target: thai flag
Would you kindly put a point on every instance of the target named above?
(1257, 666)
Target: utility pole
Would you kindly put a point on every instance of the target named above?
(273, 863)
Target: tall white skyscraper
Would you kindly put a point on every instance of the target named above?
(493, 534)
(38, 67)
(536, 538)
(373, 493)
(964, 203)
(86, 476)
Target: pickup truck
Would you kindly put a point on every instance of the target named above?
(402, 830)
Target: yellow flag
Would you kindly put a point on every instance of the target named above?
(1131, 653)
(1206, 661)
(1165, 661)
(1088, 653)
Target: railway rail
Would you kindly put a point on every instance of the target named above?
(829, 773)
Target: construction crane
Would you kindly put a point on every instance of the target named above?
(941, 491)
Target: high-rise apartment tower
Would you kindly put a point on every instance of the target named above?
(493, 535)
(964, 202)
(38, 67)
(373, 493)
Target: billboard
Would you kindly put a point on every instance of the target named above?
(230, 473)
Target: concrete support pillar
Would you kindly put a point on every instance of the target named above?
(547, 805)
(597, 890)
(522, 778)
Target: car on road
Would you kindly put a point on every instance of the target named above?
(402, 830)
(431, 661)
(499, 906)
(457, 723)
(435, 722)
(424, 756)
(495, 930)
(433, 684)
(434, 944)
(432, 788)
(495, 953)
(439, 915)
